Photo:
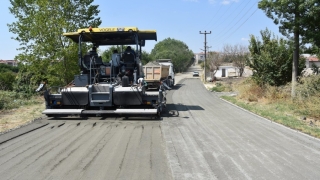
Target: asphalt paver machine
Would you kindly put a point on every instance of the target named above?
(113, 87)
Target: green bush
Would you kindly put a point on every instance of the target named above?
(218, 88)
(7, 80)
(11, 99)
(309, 86)
(308, 96)
(271, 59)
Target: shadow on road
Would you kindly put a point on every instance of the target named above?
(177, 86)
(172, 110)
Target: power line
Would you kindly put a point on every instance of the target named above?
(224, 11)
(240, 25)
(214, 15)
(233, 25)
(233, 19)
(226, 33)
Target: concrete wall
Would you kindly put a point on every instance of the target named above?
(230, 71)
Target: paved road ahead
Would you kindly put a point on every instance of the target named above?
(200, 137)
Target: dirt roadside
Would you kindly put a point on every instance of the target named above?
(18, 117)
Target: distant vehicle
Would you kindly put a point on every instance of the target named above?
(195, 74)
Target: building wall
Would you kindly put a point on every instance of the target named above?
(227, 71)
(9, 62)
(198, 57)
(309, 64)
(231, 71)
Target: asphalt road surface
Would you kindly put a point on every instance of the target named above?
(199, 137)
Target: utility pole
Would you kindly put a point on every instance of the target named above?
(205, 52)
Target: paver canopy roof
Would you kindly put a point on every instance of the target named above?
(112, 35)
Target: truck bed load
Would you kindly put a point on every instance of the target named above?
(154, 71)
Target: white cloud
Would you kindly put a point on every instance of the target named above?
(226, 2)
(212, 1)
(244, 39)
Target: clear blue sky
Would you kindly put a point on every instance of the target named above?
(230, 21)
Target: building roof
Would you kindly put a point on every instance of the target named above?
(313, 59)
(310, 58)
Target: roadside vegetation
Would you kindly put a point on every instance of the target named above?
(275, 103)
(268, 92)
(18, 102)
(17, 109)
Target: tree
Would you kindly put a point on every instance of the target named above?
(237, 54)
(7, 80)
(8, 68)
(7, 76)
(39, 27)
(270, 59)
(293, 15)
(312, 49)
(311, 26)
(214, 60)
(175, 50)
(145, 57)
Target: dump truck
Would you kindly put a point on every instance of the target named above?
(116, 87)
(159, 72)
(155, 74)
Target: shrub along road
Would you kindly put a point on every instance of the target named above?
(199, 137)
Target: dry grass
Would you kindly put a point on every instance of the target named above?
(249, 91)
(308, 97)
(225, 84)
(14, 118)
(275, 103)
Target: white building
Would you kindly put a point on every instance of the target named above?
(311, 60)
(228, 70)
(199, 57)
(9, 62)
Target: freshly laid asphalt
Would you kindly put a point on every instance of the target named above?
(199, 136)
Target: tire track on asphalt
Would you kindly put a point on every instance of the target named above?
(124, 156)
(41, 167)
(130, 156)
(160, 166)
(106, 152)
(22, 152)
(23, 140)
(142, 169)
(80, 153)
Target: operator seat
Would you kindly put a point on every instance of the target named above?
(129, 61)
(98, 60)
(128, 57)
